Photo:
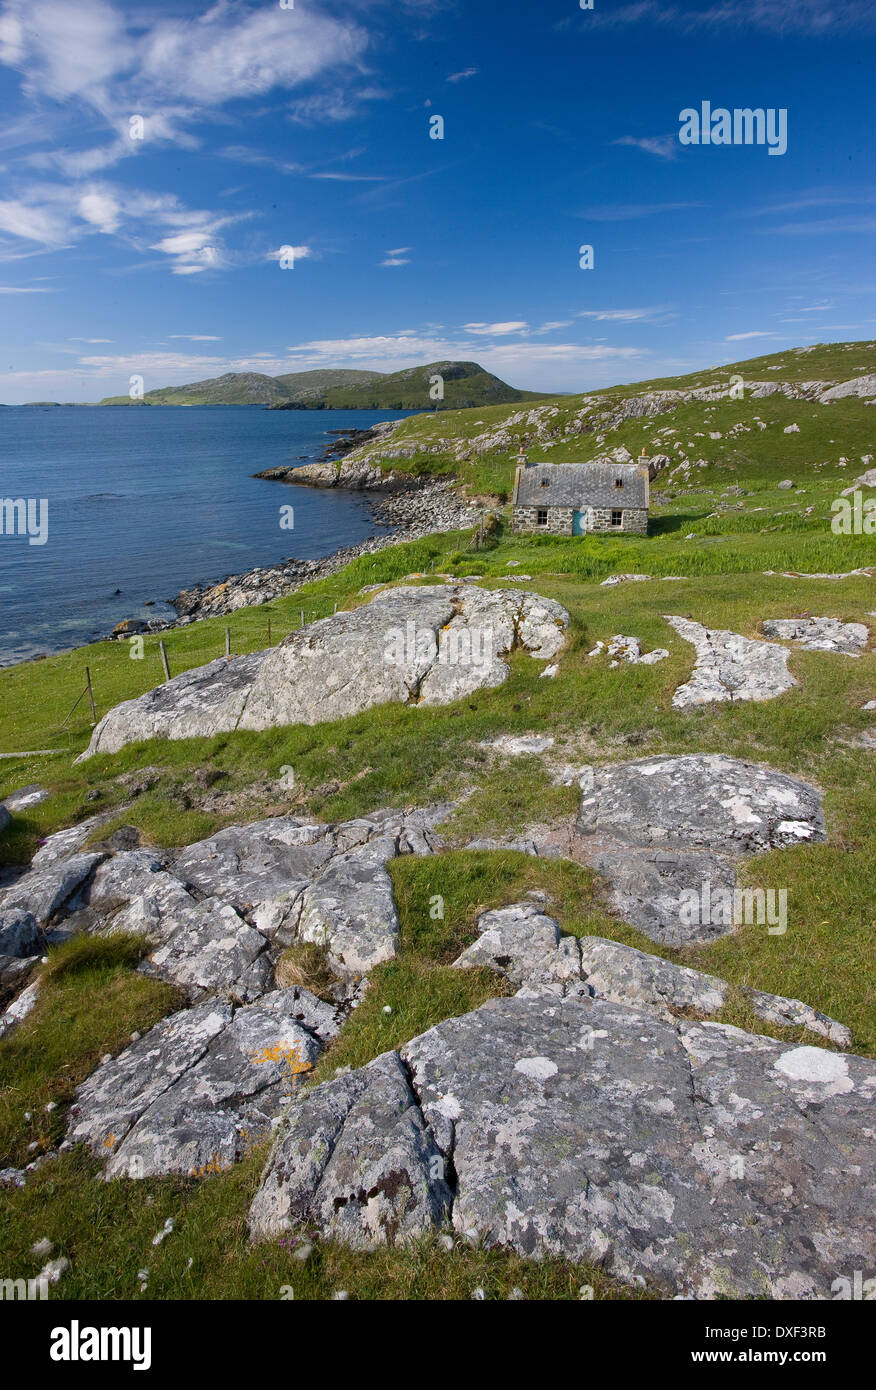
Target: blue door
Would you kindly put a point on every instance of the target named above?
(579, 523)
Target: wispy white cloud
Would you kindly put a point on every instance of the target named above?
(244, 154)
(101, 209)
(334, 106)
(461, 76)
(754, 333)
(808, 17)
(54, 215)
(860, 224)
(27, 289)
(296, 253)
(665, 146)
(168, 69)
(627, 212)
(497, 329)
(342, 176)
(624, 315)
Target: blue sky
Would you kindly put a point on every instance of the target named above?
(308, 127)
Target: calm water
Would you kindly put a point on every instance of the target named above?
(151, 501)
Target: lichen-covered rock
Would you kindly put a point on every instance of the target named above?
(201, 1087)
(659, 828)
(701, 1159)
(793, 1013)
(211, 948)
(624, 579)
(65, 843)
(19, 934)
(730, 667)
(155, 912)
(524, 945)
(266, 863)
(858, 386)
(20, 1007)
(627, 976)
(350, 910)
(428, 645)
(197, 704)
(114, 1097)
(621, 648)
(23, 799)
(819, 634)
(356, 1159)
(647, 885)
(43, 892)
(701, 800)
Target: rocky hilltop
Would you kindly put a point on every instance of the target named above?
(463, 384)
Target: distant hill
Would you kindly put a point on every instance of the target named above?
(465, 384)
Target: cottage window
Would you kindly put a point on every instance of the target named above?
(618, 482)
(545, 482)
(617, 518)
(541, 517)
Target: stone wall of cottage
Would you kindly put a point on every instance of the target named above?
(559, 522)
(635, 519)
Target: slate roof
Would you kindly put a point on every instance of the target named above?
(581, 485)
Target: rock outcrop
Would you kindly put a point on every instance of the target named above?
(730, 667)
(628, 649)
(662, 828)
(525, 945)
(198, 1090)
(819, 634)
(218, 914)
(701, 1159)
(409, 645)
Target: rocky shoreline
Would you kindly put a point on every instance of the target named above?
(420, 510)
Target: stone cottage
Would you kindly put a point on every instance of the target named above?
(572, 499)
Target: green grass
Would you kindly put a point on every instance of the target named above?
(577, 428)
(90, 1001)
(106, 1231)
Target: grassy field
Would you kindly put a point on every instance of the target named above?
(716, 546)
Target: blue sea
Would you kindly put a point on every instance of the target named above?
(151, 501)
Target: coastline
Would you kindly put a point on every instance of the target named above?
(398, 508)
(421, 509)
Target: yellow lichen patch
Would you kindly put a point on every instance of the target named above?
(109, 1141)
(214, 1164)
(283, 1051)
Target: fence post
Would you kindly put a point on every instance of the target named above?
(163, 651)
(91, 697)
(269, 632)
(228, 641)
